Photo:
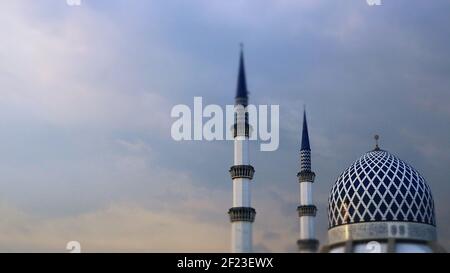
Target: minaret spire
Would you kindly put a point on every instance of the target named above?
(306, 210)
(242, 215)
(241, 91)
(305, 136)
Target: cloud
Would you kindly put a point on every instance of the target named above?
(68, 73)
(85, 103)
(188, 224)
(118, 228)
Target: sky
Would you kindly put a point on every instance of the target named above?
(86, 94)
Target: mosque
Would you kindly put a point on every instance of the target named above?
(379, 203)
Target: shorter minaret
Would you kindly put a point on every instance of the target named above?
(307, 210)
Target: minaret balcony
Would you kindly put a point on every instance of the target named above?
(308, 245)
(241, 130)
(242, 171)
(306, 176)
(242, 214)
(308, 210)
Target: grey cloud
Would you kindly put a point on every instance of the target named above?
(90, 127)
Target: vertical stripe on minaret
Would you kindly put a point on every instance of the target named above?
(242, 215)
(307, 210)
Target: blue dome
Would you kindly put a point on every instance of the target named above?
(380, 187)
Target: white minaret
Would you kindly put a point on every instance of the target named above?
(242, 215)
(307, 210)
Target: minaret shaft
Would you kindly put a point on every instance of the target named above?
(241, 192)
(241, 237)
(306, 196)
(307, 232)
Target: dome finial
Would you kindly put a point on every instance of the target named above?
(377, 138)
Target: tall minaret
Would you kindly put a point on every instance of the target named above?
(242, 215)
(307, 210)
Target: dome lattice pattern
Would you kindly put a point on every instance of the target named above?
(380, 187)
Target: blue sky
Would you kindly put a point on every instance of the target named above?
(86, 95)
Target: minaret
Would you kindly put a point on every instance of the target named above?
(242, 215)
(307, 210)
